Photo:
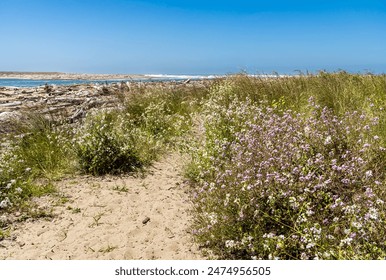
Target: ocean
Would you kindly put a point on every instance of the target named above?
(37, 83)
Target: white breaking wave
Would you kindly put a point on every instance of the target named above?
(201, 77)
(167, 76)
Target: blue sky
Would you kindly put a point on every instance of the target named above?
(192, 37)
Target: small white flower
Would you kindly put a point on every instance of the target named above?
(310, 245)
(5, 203)
(328, 140)
(212, 218)
(372, 214)
(309, 212)
(303, 256)
(369, 174)
(346, 241)
(356, 225)
(307, 131)
(379, 201)
(229, 243)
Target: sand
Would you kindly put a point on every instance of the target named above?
(111, 218)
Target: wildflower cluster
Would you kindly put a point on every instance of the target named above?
(276, 184)
(10, 185)
(40, 152)
(104, 147)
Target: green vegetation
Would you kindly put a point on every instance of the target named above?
(38, 154)
(281, 168)
(292, 168)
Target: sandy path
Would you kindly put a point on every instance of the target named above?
(104, 219)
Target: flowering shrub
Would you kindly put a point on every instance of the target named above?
(275, 184)
(104, 147)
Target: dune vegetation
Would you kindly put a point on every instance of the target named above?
(280, 168)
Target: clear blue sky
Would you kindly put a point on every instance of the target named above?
(192, 37)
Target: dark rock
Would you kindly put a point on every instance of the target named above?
(146, 220)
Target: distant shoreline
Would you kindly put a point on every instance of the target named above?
(66, 76)
(109, 77)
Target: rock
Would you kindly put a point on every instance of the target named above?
(146, 220)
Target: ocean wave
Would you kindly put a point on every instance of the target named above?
(169, 76)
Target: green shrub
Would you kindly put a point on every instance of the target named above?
(104, 147)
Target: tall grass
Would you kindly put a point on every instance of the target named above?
(39, 153)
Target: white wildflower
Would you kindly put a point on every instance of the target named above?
(5, 203)
(229, 243)
(346, 241)
(356, 225)
(307, 131)
(212, 218)
(369, 174)
(310, 245)
(372, 214)
(304, 256)
(328, 140)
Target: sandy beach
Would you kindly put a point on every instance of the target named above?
(111, 218)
